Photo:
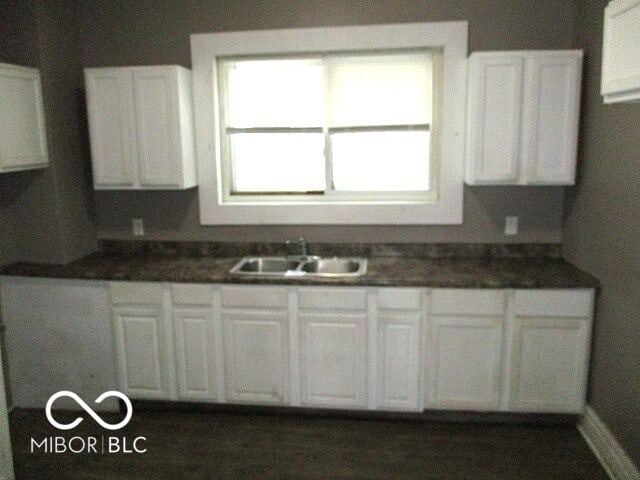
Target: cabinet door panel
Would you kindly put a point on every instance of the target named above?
(156, 98)
(195, 352)
(465, 360)
(620, 79)
(550, 357)
(495, 112)
(256, 356)
(398, 360)
(111, 126)
(143, 357)
(551, 118)
(333, 351)
(58, 337)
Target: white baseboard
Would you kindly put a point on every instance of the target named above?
(606, 448)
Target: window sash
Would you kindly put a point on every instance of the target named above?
(330, 193)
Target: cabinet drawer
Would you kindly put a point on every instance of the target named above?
(191, 294)
(332, 298)
(467, 302)
(558, 303)
(400, 298)
(136, 292)
(248, 297)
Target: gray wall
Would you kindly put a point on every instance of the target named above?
(602, 235)
(122, 32)
(44, 214)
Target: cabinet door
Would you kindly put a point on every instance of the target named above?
(158, 127)
(333, 348)
(111, 126)
(58, 337)
(23, 142)
(549, 351)
(143, 340)
(256, 356)
(620, 53)
(398, 359)
(195, 339)
(464, 361)
(551, 109)
(494, 118)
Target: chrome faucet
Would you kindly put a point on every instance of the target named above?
(303, 246)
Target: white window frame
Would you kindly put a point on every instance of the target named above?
(451, 37)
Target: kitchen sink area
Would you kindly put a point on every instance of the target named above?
(301, 266)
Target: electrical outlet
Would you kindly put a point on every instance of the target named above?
(137, 225)
(511, 225)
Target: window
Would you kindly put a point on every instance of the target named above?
(341, 125)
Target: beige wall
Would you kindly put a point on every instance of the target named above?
(602, 235)
(122, 32)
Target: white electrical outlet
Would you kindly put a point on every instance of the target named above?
(137, 225)
(511, 225)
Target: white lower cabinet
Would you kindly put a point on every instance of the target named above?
(333, 347)
(399, 318)
(143, 340)
(256, 339)
(549, 350)
(371, 348)
(196, 341)
(464, 351)
(58, 337)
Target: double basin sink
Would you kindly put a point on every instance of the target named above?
(301, 266)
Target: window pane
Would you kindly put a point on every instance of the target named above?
(380, 90)
(382, 161)
(277, 162)
(275, 93)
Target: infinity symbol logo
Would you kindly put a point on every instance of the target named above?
(89, 410)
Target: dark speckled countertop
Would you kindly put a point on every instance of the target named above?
(429, 265)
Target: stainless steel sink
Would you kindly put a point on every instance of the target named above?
(335, 266)
(265, 265)
(303, 266)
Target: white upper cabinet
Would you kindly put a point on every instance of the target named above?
(620, 52)
(522, 117)
(23, 141)
(141, 127)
